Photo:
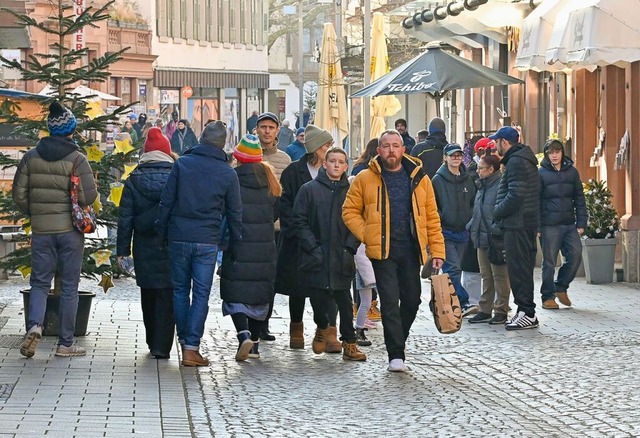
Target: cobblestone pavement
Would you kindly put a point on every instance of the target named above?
(575, 376)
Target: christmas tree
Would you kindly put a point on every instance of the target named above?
(63, 69)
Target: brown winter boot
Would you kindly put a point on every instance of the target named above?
(333, 345)
(296, 333)
(319, 343)
(351, 352)
(193, 358)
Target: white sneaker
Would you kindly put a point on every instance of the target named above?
(31, 339)
(397, 366)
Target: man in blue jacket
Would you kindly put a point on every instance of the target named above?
(563, 218)
(201, 189)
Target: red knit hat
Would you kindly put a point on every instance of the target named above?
(156, 141)
(484, 143)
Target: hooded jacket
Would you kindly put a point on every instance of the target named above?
(41, 184)
(137, 214)
(431, 152)
(561, 195)
(518, 199)
(201, 189)
(326, 246)
(182, 140)
(366, 211)
(455, 195)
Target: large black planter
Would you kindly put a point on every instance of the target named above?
(51, 316)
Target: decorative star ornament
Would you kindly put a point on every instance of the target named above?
(97, 205)
(94, 109)
(123, 146)
(127, 171)
(115, 193)
(26, 226)
(25, 271)
(94, 153)
(106, 282)
(102, 257)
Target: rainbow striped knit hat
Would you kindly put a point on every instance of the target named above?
(248, 150)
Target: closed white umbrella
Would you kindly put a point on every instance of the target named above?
(331, 105)
(381, 106)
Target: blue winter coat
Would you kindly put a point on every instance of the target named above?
(201, 188)
(137, 214)
(561, 195)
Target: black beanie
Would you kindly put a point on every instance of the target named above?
(214, 134)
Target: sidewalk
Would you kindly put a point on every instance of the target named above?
(574, 376)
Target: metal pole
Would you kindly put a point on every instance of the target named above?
(300, 64)
(366, 103)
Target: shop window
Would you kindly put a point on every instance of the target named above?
(231, 116)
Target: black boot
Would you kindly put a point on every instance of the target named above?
(266, 335)
(245, 345)
(361, 339)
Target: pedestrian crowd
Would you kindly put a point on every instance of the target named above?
(289, 219)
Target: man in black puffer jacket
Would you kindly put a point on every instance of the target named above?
(431, 151)
(517, 213)
(563, 218)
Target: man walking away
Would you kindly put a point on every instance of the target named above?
(41, 192)
(563, 218)
(431, 150)
(516, 212)
(201, 189)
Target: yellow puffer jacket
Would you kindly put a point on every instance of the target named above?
(366, 211)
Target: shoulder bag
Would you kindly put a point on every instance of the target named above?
(83, 218)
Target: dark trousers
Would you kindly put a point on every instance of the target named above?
(296, 309)
(520, 251)
(157, 314)
(242, 322)
(398, 284)
(321, 301)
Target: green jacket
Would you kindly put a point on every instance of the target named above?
(41, 184)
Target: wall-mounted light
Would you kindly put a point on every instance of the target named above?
(407, 23)
(454, 9)
(440, 12)
(427, 16)
(417, 19)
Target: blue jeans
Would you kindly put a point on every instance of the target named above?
(563, 238)
(191, 262)
(48, 251)
(454, 252)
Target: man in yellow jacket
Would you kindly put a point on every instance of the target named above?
(391, 208)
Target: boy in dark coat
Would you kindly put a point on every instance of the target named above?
(563, 218)
(137, 214)
(326, 250)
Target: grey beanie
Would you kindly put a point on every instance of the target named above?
(437, 125)
(214, 134)
(315, 138)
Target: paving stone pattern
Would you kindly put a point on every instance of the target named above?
(575, 376)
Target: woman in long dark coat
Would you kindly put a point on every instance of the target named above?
(138, 213)
(249, 266)
(317, 141)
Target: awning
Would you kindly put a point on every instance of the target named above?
(81, 91)
(456, 23)
(178, 78)
(592, 33)
(535, 35)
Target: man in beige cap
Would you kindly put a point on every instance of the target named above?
(267, 129)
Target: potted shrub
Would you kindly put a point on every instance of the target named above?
(63, 69)
(599, 239)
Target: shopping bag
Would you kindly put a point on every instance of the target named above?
(445, 305)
